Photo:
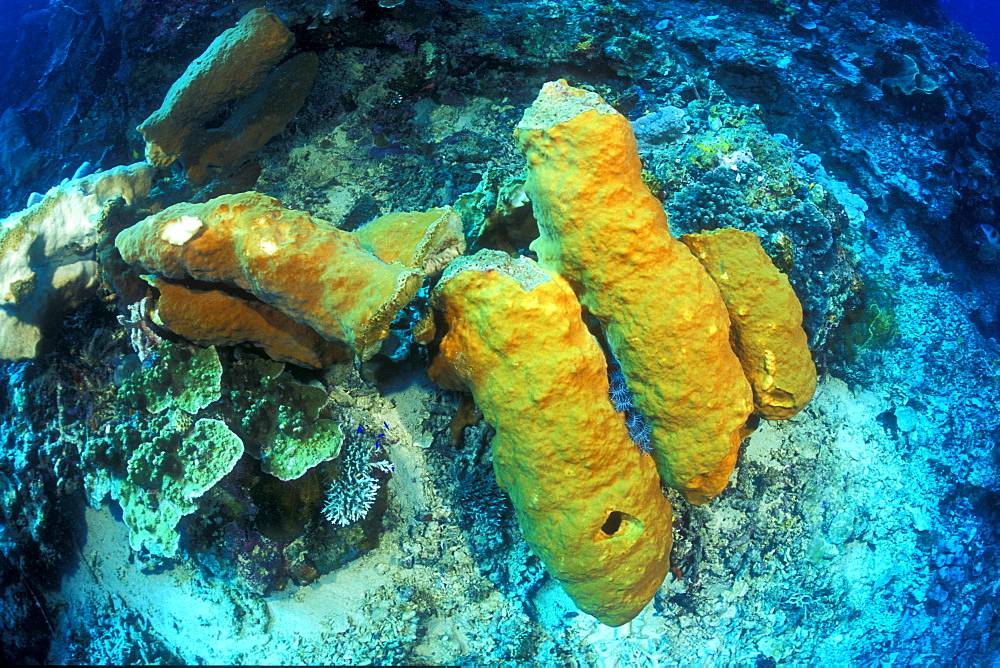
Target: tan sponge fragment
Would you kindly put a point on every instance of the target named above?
(238, 82)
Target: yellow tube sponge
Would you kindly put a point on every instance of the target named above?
(217, 152)
(766, 318)
(303, 266)
(588, 502)
(217, 317)
(605, 233)
(424, 240)
(234, 66)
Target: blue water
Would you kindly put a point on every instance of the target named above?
(981, 18)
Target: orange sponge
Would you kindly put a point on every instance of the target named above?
(231, 68)
(303, 266)
(766, 317)
(215, 317)
(605, 233)
(588, 502)
(424, 240)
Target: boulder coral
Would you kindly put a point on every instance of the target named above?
(663, 316)
(588, 501)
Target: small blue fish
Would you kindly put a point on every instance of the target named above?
(991, 234)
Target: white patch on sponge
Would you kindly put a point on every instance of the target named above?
(179, 232)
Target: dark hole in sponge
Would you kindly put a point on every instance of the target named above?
(613, 523)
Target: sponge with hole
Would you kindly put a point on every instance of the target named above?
(588, 501)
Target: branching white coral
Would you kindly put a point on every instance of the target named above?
(352, 493)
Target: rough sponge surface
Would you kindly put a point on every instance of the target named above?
(588, 502)
(602, 230)
(217, 317)
(766, 320)
(235, 65)
(424, 240)
(306, 268)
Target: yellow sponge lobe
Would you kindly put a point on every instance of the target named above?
(588, 502)
(766, 317)
(664, 318)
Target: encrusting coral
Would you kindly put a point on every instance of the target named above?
(183, 377)
(665, 321)
(182, 423)
(47, 254)
(588, 501)
(166, 476)
(314, 273)
(288, 425)
(159, 460)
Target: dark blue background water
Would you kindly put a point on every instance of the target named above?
(981, 18)
(11, 13)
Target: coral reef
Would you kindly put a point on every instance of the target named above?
(47, 254)
(856, 140)
(180, 428)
